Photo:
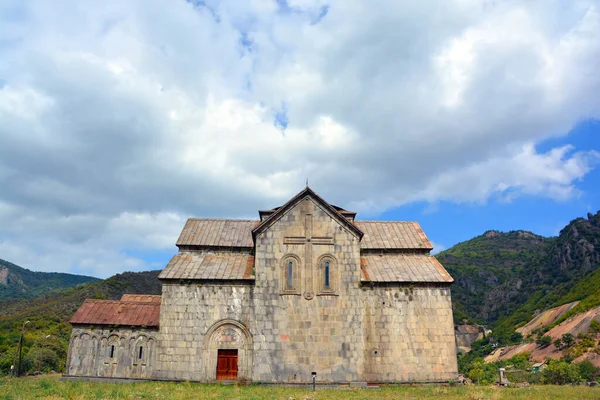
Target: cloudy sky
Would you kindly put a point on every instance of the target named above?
(120, 119)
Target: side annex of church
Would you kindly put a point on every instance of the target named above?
(306, 288)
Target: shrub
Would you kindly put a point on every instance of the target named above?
(594, 327)
(558, 343)
(586, 343)
(475, 375)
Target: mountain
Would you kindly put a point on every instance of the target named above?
(488, 271)
(503, 279)
(17, 282)
(49, 315)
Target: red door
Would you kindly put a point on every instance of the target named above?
(227, 364)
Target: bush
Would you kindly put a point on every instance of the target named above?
(594, 327)
(560, 372)
(44, 360)
(586, 343)
(475, 375)
(558, 343)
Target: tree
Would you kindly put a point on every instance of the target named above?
(544, 341)
(587, 370)
(568, 339)
(558, 343)
(475, 374)
(560, 372)
(520, 361)
(516, 337)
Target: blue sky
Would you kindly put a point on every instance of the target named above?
(449, 223)
(119, 120)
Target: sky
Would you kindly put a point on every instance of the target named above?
(119, 120)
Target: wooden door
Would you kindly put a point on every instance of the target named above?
(227, 364)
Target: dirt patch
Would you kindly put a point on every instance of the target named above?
(546, 318)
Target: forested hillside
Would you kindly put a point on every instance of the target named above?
(21, 283)
(488, 272)
(502, 279)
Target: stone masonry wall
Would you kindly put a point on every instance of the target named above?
(188, 311)
(90, 351)
(409, 334)
(283, 334)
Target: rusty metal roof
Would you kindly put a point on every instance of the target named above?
(141, 298)
(217, 232)
(238, 233)
(393, 235)
(403, 268)
(209, 266)
(117, 312)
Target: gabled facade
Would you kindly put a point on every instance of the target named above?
(306, 288)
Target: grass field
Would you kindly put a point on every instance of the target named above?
(51, 388)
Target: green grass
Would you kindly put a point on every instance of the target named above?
(51, 388)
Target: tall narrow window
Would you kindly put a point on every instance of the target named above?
(112, 351)
(141, 352)
(290, 275)
(326, 274)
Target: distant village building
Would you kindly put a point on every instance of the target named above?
(305, 288)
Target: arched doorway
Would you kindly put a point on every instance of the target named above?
(227, 352)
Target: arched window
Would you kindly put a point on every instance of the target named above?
(111, 349)
(328, 275)
(290, 275)
(141, 350)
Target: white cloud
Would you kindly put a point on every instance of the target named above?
(121, 119)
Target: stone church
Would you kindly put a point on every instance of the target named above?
(304, 289)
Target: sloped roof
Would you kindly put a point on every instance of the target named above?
(208, 266)
(116, 312)
(393, 235)
(217, 232)
(403, 268)
(294, 200)
(238, 233)
(141, 298)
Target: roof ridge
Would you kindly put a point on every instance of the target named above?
(223, 219)
(107, 301)
(101, 301)
(382, 221)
